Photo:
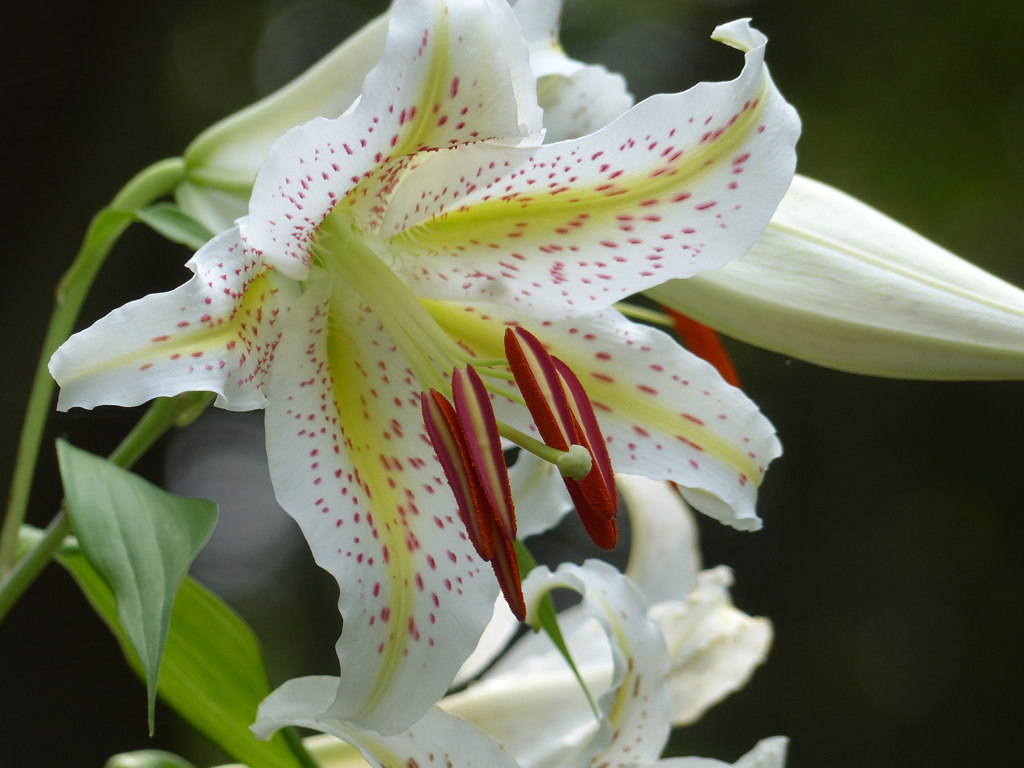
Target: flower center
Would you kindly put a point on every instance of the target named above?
(355, 268)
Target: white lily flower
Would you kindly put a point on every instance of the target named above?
(393, 245)
(531, 713)
(839, 284)
(713, 647)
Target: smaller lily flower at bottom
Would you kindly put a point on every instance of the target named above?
(650, 666)
(530, 715)
(713, 647)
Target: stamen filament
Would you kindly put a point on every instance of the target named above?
(430, 352)
(643, 313)
(531, 444)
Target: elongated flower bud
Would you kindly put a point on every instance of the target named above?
(839, 284)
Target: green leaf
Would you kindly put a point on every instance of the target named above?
(547, 618)
(178, 227)
(140, 539)
(213, 671)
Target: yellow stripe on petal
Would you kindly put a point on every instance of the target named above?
(352, 462)
(665, 414)
(216, 333)
(678, 184)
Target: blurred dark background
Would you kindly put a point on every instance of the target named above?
(890, 559)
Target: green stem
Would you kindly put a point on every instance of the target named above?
(104, 230)
(299, 751)
(28, 568)
(531, 444)
(161, 416)
(645, 314)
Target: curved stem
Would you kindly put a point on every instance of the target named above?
(104, 230)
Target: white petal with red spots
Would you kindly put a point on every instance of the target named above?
(438, 740)
(350, 460)
(451, 73)
(215, 333)
(665, 413)
(678, 184)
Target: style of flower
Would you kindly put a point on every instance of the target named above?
(648, 669)
(394, 245)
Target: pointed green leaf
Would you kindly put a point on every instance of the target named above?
(170, 221)
(213, 671)
(548, 621)
(141, 539)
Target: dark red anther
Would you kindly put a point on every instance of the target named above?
(564, 416)
(474, 466)
(452, 451)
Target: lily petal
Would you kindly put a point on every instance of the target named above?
(215, 333)
(351, 462)
(437, 739)
(581, 103)
(450, 73)
(663, 554)
(495, 638)
(714, 647)
(553, 724)
(223, 161)
(577, 98)
(678, 184)
(839, 284)
(540, 21)
(665, 414)
(768, 753)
